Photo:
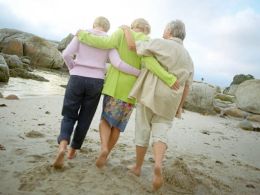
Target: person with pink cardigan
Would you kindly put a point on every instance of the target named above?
(87, 71)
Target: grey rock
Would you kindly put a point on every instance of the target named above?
(238, 79)
(246, 125)
(18, 72)
(4, 70)
(42, 52)
(12, 97)
(13, 61)
(247, 96)
(64, 42)
(235, 112)
(200, 98)
(254, 117)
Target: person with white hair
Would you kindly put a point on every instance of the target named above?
(157, 103)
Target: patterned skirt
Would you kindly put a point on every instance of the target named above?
(116, 112)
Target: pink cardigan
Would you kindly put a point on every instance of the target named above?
(91, 62)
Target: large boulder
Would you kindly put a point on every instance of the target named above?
(231, 90)
(42, 52)
(247, 96)
(200, 98)
(19, 72)
(237, 79)
(13, 47)
(13, 61)
(4, 70)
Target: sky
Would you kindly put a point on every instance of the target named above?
(222, 37)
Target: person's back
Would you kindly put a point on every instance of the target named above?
(181, 64)
(89, 61)
(149, 89)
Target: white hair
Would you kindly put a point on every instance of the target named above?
(177, 29)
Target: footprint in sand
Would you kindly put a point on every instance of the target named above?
(32, 178)
(35, 158)
(19, 151)
(85, 150)
(34, 134)
(51, 141)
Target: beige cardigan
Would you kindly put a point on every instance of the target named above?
(149, 89)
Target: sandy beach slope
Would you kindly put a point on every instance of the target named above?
(206, 155)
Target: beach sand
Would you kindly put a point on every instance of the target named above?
(206, 155)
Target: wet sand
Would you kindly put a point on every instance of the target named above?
(206, 155)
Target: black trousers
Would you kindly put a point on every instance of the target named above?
(80, 103)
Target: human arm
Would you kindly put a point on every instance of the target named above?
(153, 65)
(129, 37)
(69, 51)
(183, 98)
(102, 42)
(118, 63)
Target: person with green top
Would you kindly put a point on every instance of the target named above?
(117, 107)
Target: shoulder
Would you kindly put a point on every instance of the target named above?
(158, 43)
(119, 32)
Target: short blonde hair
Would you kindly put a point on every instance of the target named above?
(141, 24)
(102, 22)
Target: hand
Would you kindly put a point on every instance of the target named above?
(124, 27)
(176, 85)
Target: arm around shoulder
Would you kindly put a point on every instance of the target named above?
(102, 42)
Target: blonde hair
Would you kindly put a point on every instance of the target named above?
(102, 22)
(141, 24)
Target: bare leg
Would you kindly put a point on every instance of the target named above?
(140, 153)
(159, 149)
(59, 161)
(105, 132)
(71, 153)
(115, 132)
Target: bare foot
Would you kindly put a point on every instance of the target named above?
(72, 153)
(101, 160)
(157, 179)
(59, 161)
(133, 169)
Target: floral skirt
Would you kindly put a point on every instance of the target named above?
(116, 112)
